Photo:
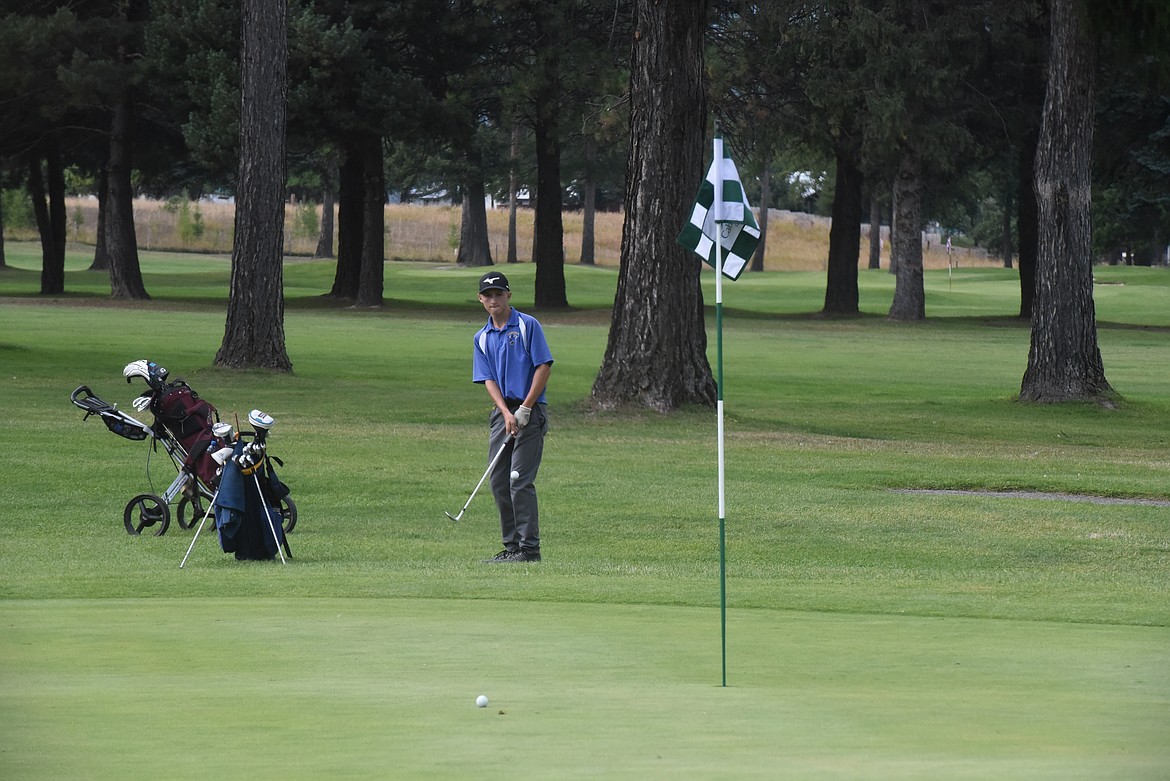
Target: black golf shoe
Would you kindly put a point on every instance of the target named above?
(502, 556)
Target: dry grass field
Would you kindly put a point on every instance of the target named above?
(795, 242)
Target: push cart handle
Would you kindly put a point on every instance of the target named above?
(85, 399)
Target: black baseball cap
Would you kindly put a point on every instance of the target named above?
(493, 280)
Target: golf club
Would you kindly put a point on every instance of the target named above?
(491, 466)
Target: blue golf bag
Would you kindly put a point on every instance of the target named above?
(248, 514)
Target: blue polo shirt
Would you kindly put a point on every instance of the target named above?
(509, 355)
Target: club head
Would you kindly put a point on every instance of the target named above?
(453, 517)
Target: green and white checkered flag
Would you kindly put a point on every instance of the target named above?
(735, 224)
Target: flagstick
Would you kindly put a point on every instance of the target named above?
(717, 205)
(711, 224)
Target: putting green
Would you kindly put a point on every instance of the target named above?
(212, 687)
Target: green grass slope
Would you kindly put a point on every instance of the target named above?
(873, 631)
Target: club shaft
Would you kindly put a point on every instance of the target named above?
(194, 539)
(487, 472)
(268, 515)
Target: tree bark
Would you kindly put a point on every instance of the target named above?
(893, 264)
(841, 295)
(1027, 224)
(3, 258)
(121, 240)
(1007, 226)
(588, 202)
(49, 208)
(373, 272)
(765, 206)
(656, 355)
(101, 256)
(1064, 361)
(474, 247)
(909, 295)
(513, 186)
(325, 238)
(549, 241)
(254, 332)
(351, 194)
(875, 232)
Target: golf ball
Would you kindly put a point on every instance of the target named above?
(515, 475)
(481, 700)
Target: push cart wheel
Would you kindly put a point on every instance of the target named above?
(191, 511)
(147, 511)
(288, 514)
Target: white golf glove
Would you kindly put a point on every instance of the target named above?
(141, 403)
(522, 415)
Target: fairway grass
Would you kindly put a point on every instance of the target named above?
(874, 631)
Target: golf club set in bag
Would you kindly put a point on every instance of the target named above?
(221, 470)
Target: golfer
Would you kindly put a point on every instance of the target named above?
(510, 357)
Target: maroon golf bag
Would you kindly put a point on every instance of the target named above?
(189, 420)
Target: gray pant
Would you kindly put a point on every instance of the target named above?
(516, 499)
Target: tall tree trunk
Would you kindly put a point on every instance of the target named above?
(121, 240)
(350, 211)
(893, 264)
(588, 221)
(1064, 362)
(101, 256)
(474, 247)
(3, 258)
(549, 249)
(373, 273)
(254, 332)
(1007, 225)
(656, 355)
(1027, 224)
(909, 294)
(765, 207)
(841, 295)
(513, 186)
(57, 212)
(875, 232)
(49, 208)
(325, 238)
(589, 203)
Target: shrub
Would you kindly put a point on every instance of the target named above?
(18, 211)
(305, 222)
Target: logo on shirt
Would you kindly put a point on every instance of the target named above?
(513, 337)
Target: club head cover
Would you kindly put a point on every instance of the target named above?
(260, 420)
